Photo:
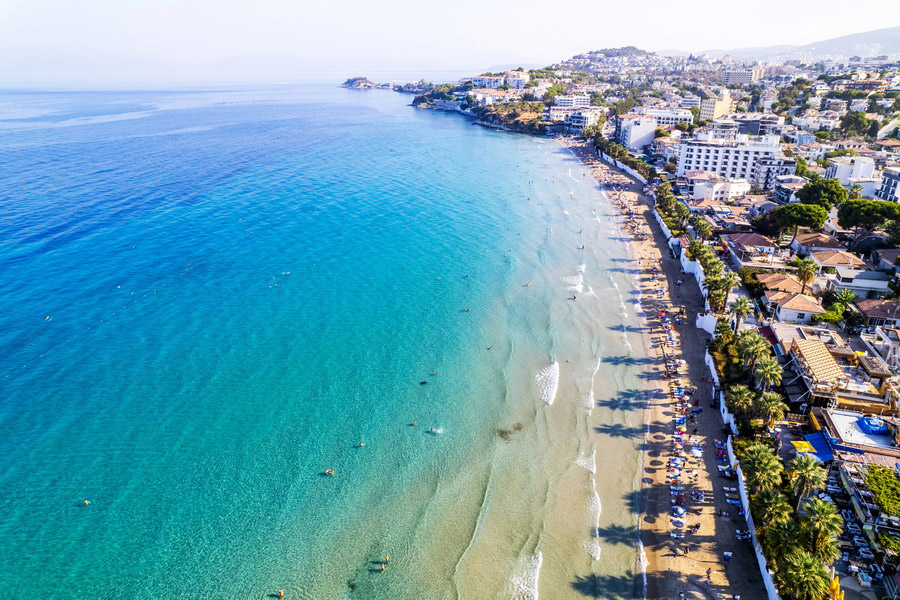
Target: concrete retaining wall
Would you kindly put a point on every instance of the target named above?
(771, 590)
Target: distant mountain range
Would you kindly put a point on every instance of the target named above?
(868, 43)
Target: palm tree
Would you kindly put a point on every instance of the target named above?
(768, 372)
(844, 298)
(702, 228)
(762, 468)
(770, 407)
(803, 577)
(739, 399)
(717, 300)
(682, 213)
(806, 272)
(771, 507)
(711, 282)
(694, 249)
(782, 537)
(741, 309)
(806, 474)
(751, 347)
(821, 523)
(730, 281)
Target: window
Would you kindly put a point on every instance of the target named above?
(801, 316)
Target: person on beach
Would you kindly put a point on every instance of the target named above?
(281, 593)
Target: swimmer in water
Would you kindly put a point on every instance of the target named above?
(415, 423)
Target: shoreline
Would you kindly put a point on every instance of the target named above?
(668, 571)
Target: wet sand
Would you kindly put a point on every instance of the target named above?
(668, 570)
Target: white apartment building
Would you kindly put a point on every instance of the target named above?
(737, 158)
(690, 101)
(670, 118)
(517, 79)
(703, 185)
(843, 168)
(635, 131)
(814, 123)
(576, 100)
(890, 185)
(741, 76)
(487, 82)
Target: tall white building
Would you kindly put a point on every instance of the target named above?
(517, 79)
(487, 82)
(576, 100)
(843, 168)
(738, 158)
(635, 131)
(670, 118)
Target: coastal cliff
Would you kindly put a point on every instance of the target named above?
(363, 83)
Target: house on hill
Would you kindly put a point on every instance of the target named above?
(793, 308)
(805, 243)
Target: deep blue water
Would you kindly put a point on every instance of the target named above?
(209, 298)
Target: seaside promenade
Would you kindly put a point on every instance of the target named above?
(677, 557)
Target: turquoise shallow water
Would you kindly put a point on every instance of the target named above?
(243, 285)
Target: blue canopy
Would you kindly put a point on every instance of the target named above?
(817, 441)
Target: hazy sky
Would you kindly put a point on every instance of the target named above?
(471, 34)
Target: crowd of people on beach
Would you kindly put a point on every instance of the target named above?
(692, 501)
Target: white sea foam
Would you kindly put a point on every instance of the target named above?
(565, 211)
(581, 268)
(642, 564)
(548, 382)
(639, 309)
(595, 508)
(589, 291)
(575, 283)
(588, 463)
(589, 400)
(523, 585)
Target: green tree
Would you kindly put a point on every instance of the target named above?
(682, 213)
(739, 399)
(802, 167)
(803, 577)
(694, 249)
(806, 272)
(821, 524)
(823, 192)
(751, 347)
(762, 469)
(782, 536)
(805, 474)
(741, 308)
(866, 215)
(800, 215)
(770, 407)
(768, 372)
(856, 191)
(702, 228)
(723, 333)
(771, 507)
(842, 300)
(659, 133)
(855, 123)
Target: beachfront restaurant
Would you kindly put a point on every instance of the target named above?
(836, 376)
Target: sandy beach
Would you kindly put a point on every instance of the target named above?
(676, 558)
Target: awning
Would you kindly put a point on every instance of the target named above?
(822, 451)
(804, 447)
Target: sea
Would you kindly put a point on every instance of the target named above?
(310, 339)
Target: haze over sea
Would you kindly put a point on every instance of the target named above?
(207, 298)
